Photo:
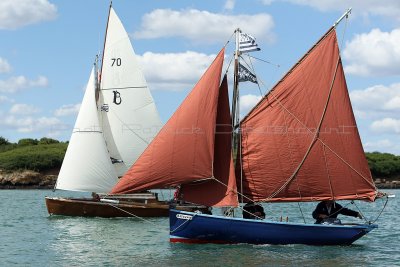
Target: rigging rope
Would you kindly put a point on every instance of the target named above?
(254, 72)
(133, 215)
(384, 206)
(181, 224)
(263, 60)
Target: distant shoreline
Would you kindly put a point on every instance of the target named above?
(25, 187)
(27, 179)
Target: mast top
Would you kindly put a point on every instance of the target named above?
(345, 15)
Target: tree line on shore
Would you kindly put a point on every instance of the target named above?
(31, 154)
(47, 153)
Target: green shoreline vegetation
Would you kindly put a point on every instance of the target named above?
(31, 154)
(47, 154)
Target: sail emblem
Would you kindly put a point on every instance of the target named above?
(105, 107)
(117, 98)
(114, 160)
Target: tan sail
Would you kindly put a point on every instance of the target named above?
(301, 142)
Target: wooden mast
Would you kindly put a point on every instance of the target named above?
(105, 39)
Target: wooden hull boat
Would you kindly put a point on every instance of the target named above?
(113, 207)
(103, 145)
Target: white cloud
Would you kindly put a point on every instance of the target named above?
(377, 101)
(373, 53)
(393, 103)
(386, 125)
(174, 71)
(23, 109)
(18, 83)
(203, 26)
(30, 124)
(5, 67)
(229, 5)
(247, 102)
(66, 110)
(4, 99)
(386, 8)
(19, 13)
(382, 145)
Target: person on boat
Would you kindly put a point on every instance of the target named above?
(95, 196)
(253, 211)
(329, 209)
(178, 196)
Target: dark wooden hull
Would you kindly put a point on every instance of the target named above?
(91, 208)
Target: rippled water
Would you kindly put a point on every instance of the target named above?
(30, 237)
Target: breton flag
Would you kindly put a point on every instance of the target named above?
(247, 43)
(246, 75)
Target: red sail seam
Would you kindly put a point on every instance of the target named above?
(291, 154)
(327, 171)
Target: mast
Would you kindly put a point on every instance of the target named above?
(235, 98)
(235, 106)
(105, 39)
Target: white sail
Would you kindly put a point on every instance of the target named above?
(87, 165)
(129, 115)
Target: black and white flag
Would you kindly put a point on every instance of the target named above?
(247, 43)
(245, 75)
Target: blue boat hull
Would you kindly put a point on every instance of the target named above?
(189, 227)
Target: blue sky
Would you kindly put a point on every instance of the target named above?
(47, 49)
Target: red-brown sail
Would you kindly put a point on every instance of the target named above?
(222, 192)
(183, 151)
(301, 142)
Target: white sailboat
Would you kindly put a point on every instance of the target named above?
(116, 121)
(124, 115)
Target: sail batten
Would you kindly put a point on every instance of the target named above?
(328, 150)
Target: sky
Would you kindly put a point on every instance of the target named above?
(47, 48)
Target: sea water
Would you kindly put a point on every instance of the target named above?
(30, 237)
